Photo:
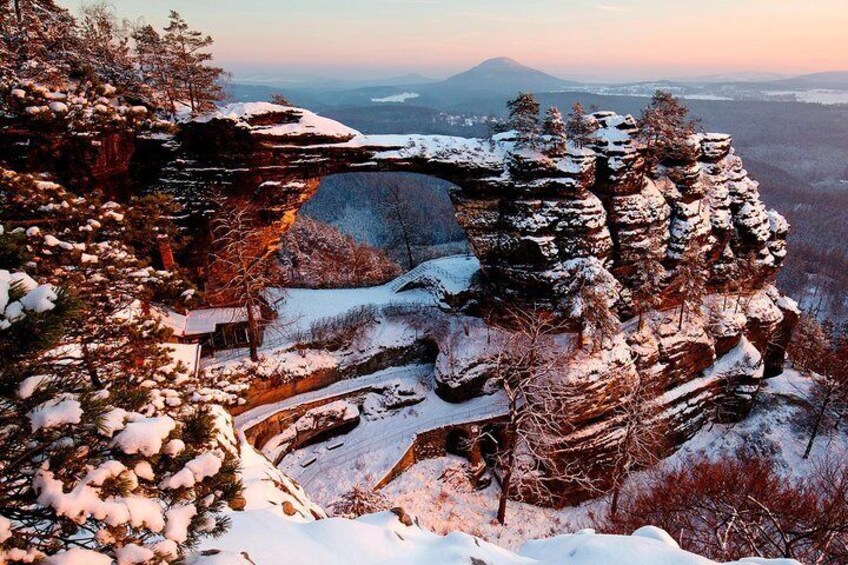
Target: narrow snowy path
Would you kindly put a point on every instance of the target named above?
(366, 454)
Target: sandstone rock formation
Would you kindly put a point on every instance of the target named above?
(525, 214)
(528, 217)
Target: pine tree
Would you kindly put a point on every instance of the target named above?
(665, 128)
(690, 282)
(648, 283)
(195, 82)
(280, 100)
(154, 68)
(554, 131)
(71, 468)
(358, 502)
(589, 293)
(38, 39)
(524, 119)
(580, 128)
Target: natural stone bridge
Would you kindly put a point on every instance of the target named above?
(526, 215)
(529, 219)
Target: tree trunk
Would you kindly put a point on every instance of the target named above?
(622, 465)
(641, 321)
(89, 366)
(816, 425)
(616, 492)
(682, 310)
(506, 480)
(409, 260)
(253, 333)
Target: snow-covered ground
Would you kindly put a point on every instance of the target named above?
(439, 493)
(299, 308)
(444, 501)
(772, 429)
(365, 455)
(436, 491)
(264, 534)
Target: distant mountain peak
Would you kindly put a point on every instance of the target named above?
(505, 72)
(501, 63)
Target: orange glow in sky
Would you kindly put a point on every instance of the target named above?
(612, 39)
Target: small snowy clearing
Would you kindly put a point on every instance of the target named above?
(401, 98)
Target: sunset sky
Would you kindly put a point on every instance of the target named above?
(604, 39)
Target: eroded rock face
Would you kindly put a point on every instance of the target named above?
(525, 214)
(528, 217)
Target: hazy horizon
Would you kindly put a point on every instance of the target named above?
(572, 39)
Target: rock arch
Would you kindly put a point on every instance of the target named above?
(526, 215)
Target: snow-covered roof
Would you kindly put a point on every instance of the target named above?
(203, 321)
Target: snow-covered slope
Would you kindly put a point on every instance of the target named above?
(262, 534)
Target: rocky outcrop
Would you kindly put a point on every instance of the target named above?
(85, 138)
(525, 214)
(708, 370)
(310, 426)
(528, 217)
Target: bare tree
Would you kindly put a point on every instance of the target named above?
(241, 262)
(106, 45)
(745, 273)
(404, 233)
(825, 362)
(643, 436)
(530, 367)
(742, 505)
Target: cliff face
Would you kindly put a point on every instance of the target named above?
(528, 217)
(525, 215)
(85, 138)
